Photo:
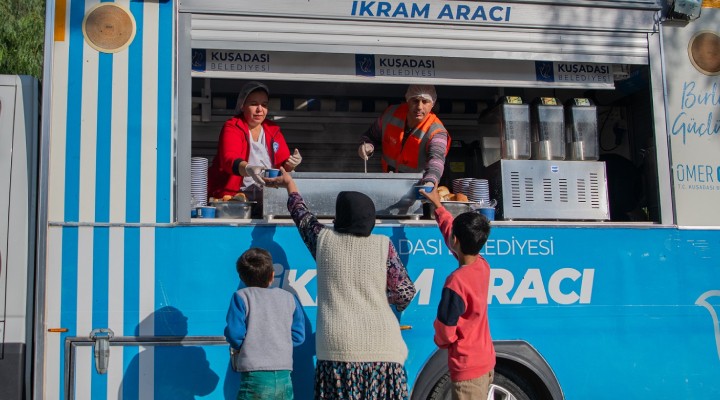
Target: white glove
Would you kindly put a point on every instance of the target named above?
(256, 172)
(295, 159)
(366, 150)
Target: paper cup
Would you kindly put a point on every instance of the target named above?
(272, 173)
(421, 188)
(487, 212)
(206, 212)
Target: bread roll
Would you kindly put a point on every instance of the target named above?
(240, 197)
(443, 192)
(461, 197)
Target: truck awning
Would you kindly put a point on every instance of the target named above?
(612, 45)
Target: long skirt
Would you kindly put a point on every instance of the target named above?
(335, 380)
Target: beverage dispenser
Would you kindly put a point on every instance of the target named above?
(510, 121)
(548, 129)
(581, 129)
(561, 182)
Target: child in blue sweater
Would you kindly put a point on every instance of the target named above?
(263, 326)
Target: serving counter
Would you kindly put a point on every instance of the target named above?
(392, 193)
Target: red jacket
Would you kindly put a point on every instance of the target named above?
(234, 144)
(462, 325)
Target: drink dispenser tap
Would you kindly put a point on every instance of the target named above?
(548, 129)
(581, 129)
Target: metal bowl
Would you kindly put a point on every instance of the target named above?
(233, 209)
(454, 207)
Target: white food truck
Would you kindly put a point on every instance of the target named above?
(605, 251)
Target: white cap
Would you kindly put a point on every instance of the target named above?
(424, 91)
(245, 92)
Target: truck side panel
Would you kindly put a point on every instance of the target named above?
(637, 301)
(111, 162)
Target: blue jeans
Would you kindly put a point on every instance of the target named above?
(264, 385)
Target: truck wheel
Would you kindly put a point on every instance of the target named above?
(442, 389)
(503, 388)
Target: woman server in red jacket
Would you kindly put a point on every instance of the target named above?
(249, 144)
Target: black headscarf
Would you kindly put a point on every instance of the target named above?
(354, 214)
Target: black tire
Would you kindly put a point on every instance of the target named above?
(442, 390)
(508, 387)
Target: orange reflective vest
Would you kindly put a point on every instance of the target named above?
(412, 156)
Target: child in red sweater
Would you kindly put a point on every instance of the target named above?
(461, 325)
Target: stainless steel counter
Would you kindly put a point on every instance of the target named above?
(392, 193)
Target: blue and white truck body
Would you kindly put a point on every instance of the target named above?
(111, 290)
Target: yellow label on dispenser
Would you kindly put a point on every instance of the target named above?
(548, 101)
(513, 99)
(582, 102)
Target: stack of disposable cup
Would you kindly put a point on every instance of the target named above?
(198, 181)
(479, 191)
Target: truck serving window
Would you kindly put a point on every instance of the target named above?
(325, 121)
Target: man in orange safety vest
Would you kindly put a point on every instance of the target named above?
(412, 137)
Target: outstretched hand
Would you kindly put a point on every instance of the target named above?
(433, 196)
(284, 180)
(255, 172)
